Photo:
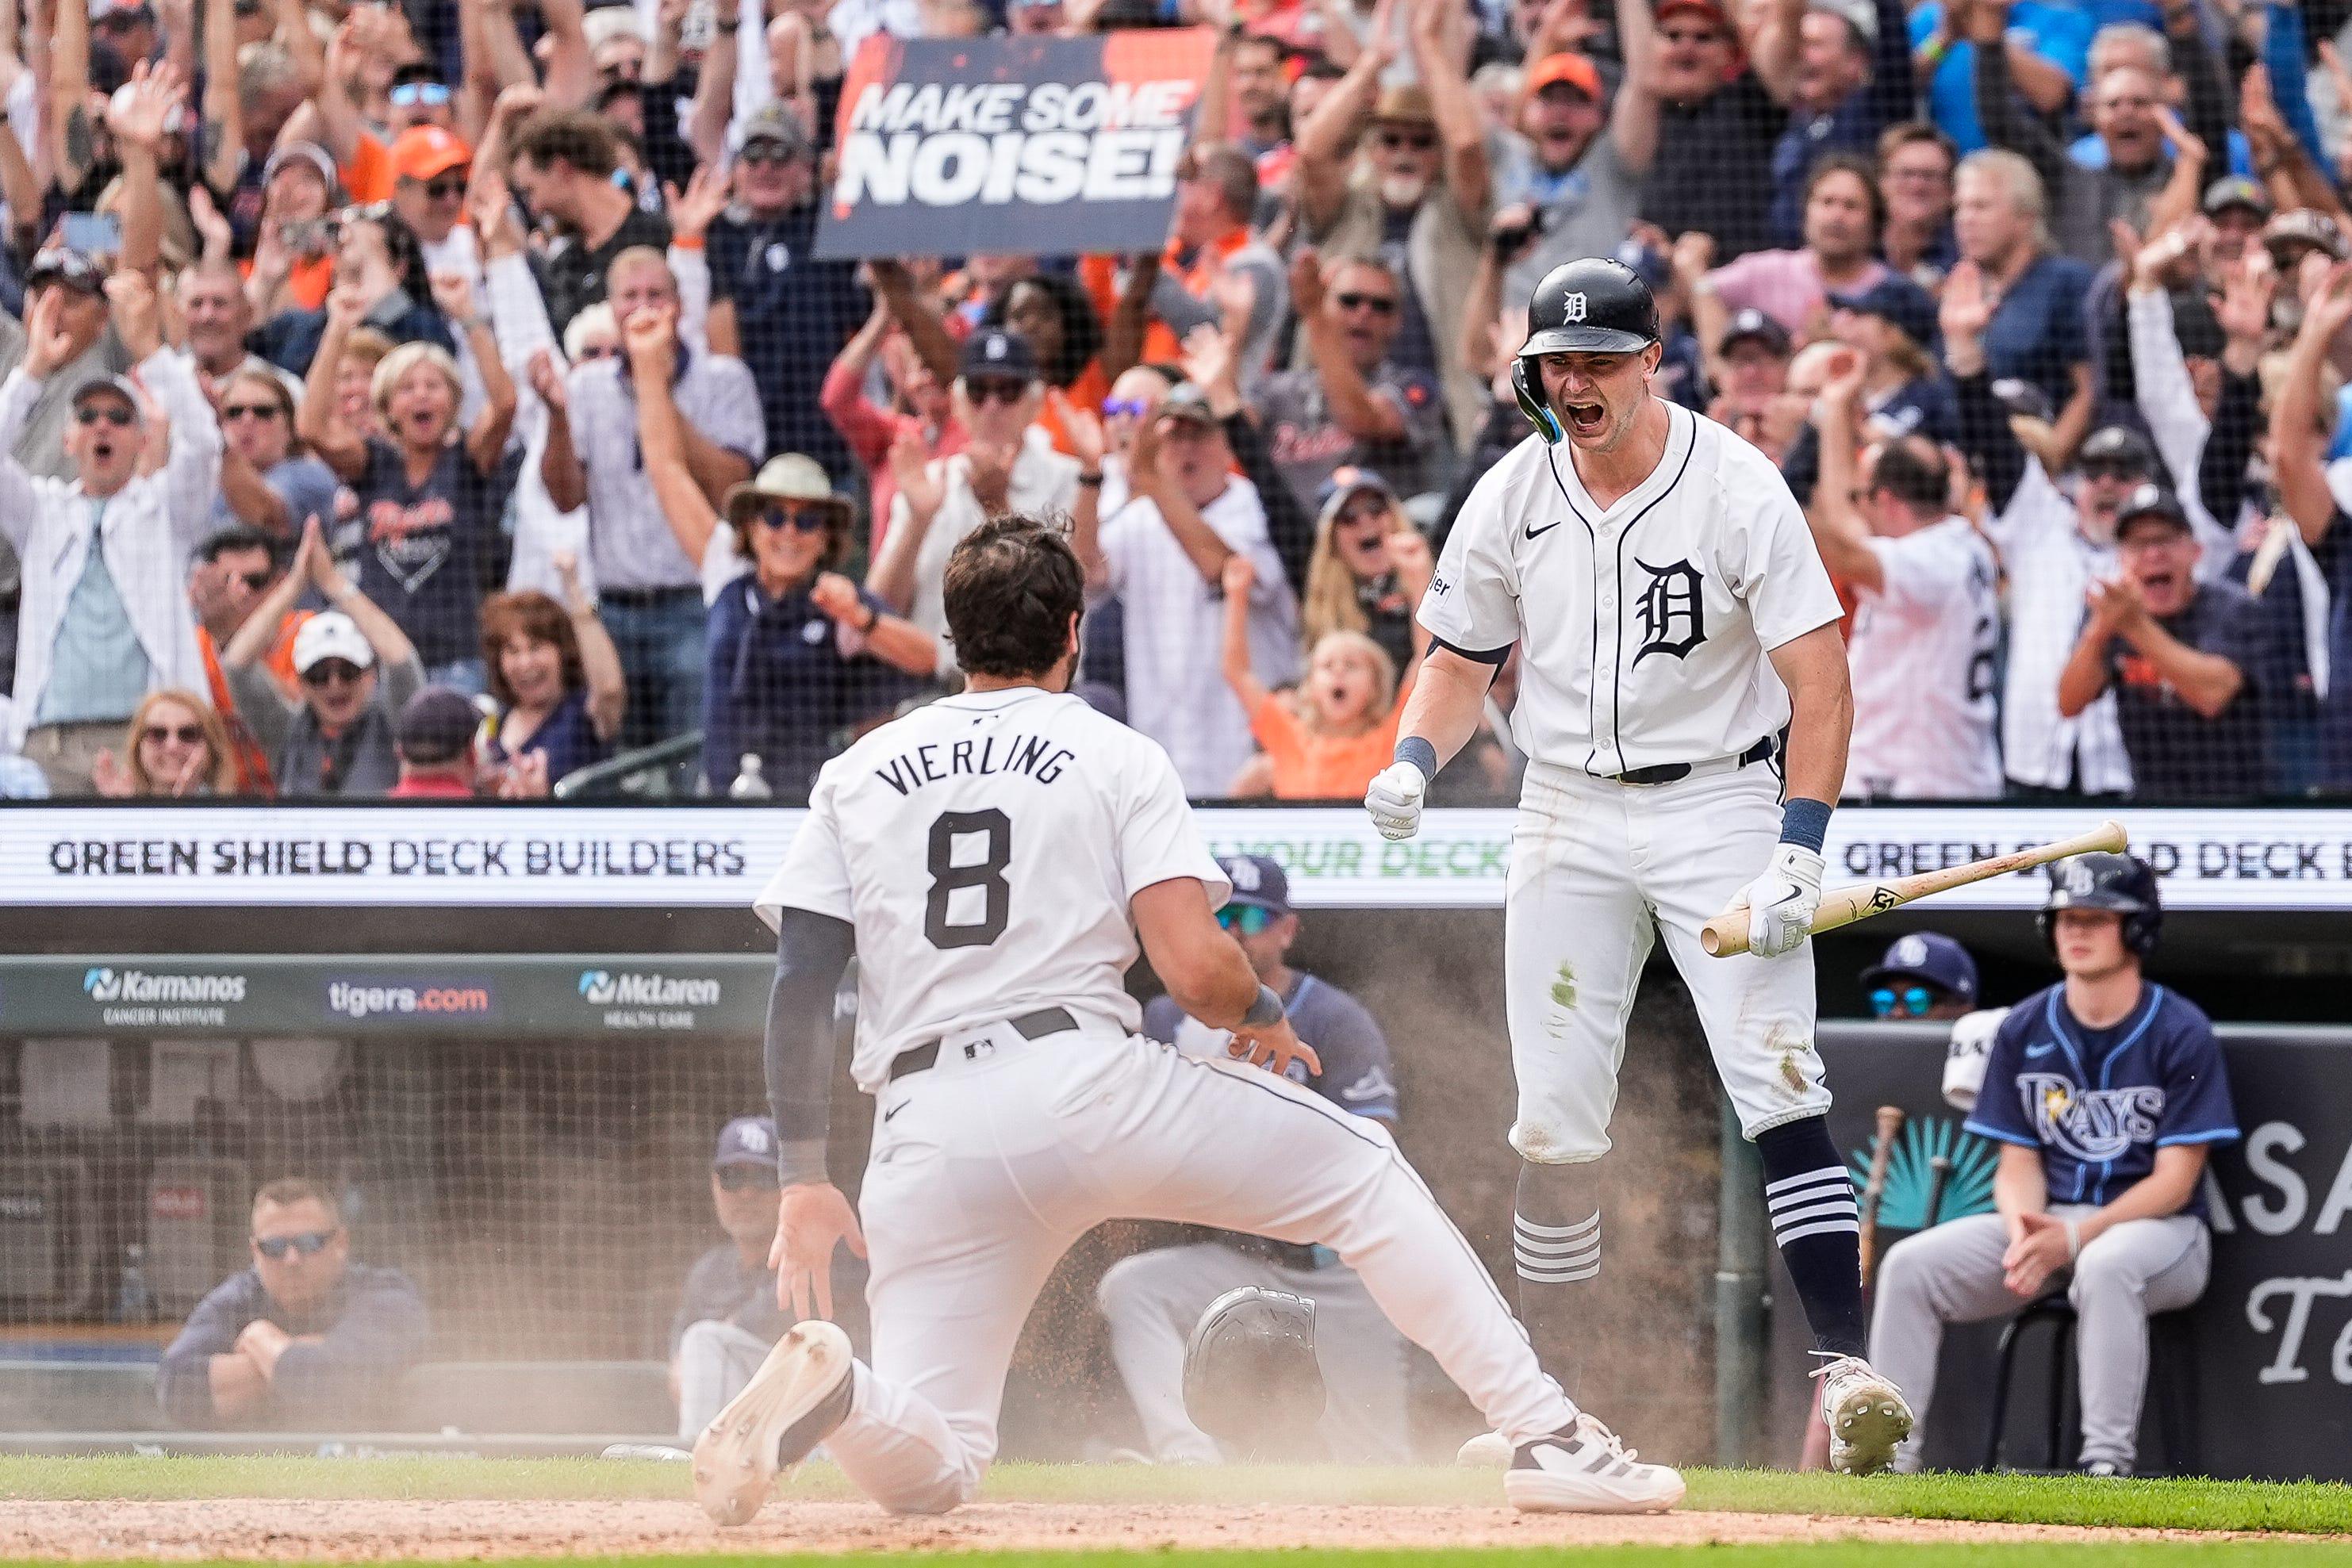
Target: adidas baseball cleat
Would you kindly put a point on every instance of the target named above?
(800, 1394)
(1866, 1415)
(1584, 1469)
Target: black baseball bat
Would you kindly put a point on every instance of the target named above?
(1939, 1173)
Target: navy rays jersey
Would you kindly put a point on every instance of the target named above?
(2099, 1103)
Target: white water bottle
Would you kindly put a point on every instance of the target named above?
(750, 783)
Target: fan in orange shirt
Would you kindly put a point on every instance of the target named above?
(1326, 741)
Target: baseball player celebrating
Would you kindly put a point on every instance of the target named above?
(1674, 620)
(992, 858)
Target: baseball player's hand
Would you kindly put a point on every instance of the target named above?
(811, 1218)
(2040, 1250)
(1273, 1048)
(1394, 799)
(1781, 902)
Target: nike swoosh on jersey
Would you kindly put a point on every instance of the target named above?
(1533, 531)
(2035, 1053)
(893, 1111)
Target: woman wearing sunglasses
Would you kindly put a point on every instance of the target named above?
(269, 480)
(798, 658)
(176, 746)
(1366, 574)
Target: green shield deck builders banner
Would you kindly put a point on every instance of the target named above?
(1031, 146)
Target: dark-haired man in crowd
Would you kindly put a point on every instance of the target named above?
(562, 169)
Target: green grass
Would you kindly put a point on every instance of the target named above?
(2306, 1507)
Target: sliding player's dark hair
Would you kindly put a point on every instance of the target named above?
(1011, 585)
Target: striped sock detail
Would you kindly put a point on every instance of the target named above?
(1556, 1254)
(1815, 1203)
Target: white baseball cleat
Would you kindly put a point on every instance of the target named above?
(800, 1394)
(1866, 1415)
(1486, 1451)
(1584, 1469)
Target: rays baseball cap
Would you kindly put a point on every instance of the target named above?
(746, 1141)
(1259, 883)
(1926, 956)
(331, 635)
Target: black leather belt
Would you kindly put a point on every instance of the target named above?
(1029, 1026)
(1671, 772)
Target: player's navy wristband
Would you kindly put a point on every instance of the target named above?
(1805, 823)
(1264, 1012)
(1412, 749)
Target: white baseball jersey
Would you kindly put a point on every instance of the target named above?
(2050, 566)
(1922, 652)
(985, 848)
(1644, 626)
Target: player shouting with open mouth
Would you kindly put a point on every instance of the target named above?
(1679, 657)
(992, 859)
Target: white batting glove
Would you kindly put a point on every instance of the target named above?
(1781, 903)
(1394, 799)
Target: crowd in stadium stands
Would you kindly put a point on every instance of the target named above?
(442, 397)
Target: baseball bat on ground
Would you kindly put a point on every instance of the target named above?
(1939, 1176)
(1874, 1190)
(1727, 934)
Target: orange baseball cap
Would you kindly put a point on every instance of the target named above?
(422, 151)
(1715, 9)
(1565, 67)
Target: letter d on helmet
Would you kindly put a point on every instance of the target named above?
(1593, 305)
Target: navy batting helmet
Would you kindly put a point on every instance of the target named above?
(1250, 1374)
(1594, 305)
(2124, 883)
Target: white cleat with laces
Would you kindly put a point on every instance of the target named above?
(1866, 1415)
(1583, 1468)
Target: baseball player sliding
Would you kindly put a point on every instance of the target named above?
(1674, 625)
(992, 858)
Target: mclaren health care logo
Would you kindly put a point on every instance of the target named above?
(635, 999)
(138, 996)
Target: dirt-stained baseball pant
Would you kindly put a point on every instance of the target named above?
(1592, 863)
(1952, 1274)
(987, 1166)
(715, 1360)
(1154, 1300)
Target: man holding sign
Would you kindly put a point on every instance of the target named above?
(1674, 623)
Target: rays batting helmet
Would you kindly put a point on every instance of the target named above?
(1594, 305)
(2124, 883)
(1250, 1374)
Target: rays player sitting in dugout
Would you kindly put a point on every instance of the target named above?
(1679, 654)
(2105, 1094)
